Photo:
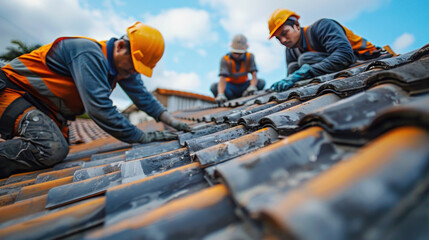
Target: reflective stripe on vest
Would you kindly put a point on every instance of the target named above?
(58, 92)
(359, 44)
(239, 76)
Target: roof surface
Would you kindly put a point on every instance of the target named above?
(85, 131)
(341, 156)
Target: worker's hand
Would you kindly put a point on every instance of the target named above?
(221, 98)
(282, 85)
(156, 136)
(181, 126)
(249, 91)
(302, 73)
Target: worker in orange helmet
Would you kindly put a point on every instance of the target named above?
(42, 90)
(323, 47)
(234, 68)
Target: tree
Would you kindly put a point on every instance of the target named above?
(22, 48)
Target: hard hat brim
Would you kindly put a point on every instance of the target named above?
(141, 68)
(234, 50)
(272, 33)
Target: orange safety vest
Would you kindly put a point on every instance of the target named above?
(239, 76)
(359, 44)
(58, 93)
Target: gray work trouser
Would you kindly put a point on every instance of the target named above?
(233, 91)
(38, 144)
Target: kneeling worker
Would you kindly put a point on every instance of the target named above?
(234, 68)
(324, 47)
(42, 90)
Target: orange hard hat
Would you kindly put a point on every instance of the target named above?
(147, 47)
(278, 17)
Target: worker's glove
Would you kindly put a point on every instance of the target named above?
(181, 126)
(302, 73)
(156, 136)
(221, 98)
(282, 85)
(249, 91)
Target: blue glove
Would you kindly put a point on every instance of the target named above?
(300, 74)
(282, 85)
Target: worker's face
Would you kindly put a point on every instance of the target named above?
(288, 35)
(237, 56)
(123, 60)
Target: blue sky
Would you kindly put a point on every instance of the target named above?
(198, 33)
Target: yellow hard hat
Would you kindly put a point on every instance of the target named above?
(147, 47)
(278, 17)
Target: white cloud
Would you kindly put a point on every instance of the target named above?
(250, 18)
(403, 42)
(268, 57)
(240, 15)
(202, 52)
(44, 20)
(212, 76)
(162, 78)
(190, 27)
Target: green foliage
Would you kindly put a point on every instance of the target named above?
(84, 116)
(18, 50)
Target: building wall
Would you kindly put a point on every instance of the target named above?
(172, 103)
(175, 103)
(161, 98)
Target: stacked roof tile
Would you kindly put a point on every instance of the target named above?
(85, 131)
(341, 156)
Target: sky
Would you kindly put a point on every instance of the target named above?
(198, 33)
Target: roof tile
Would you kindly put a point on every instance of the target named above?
(60, 223)
(286, 120)
(364, 187)
(75, 191)
(252, 120)
(236, 147)
(140, 196)
(205, 211)
(286, 164)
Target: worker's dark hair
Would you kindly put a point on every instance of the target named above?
(290, 22)
(127, 43)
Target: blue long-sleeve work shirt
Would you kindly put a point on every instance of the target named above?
(329, 37)
(95, 76)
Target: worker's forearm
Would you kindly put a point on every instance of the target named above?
(166, 117)
(221, 86)
(254, 79)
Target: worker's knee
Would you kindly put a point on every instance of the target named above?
(311, 58)
(213, 89)
(292, 67)
(261, 84)
(50, 146)
(55, 153)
